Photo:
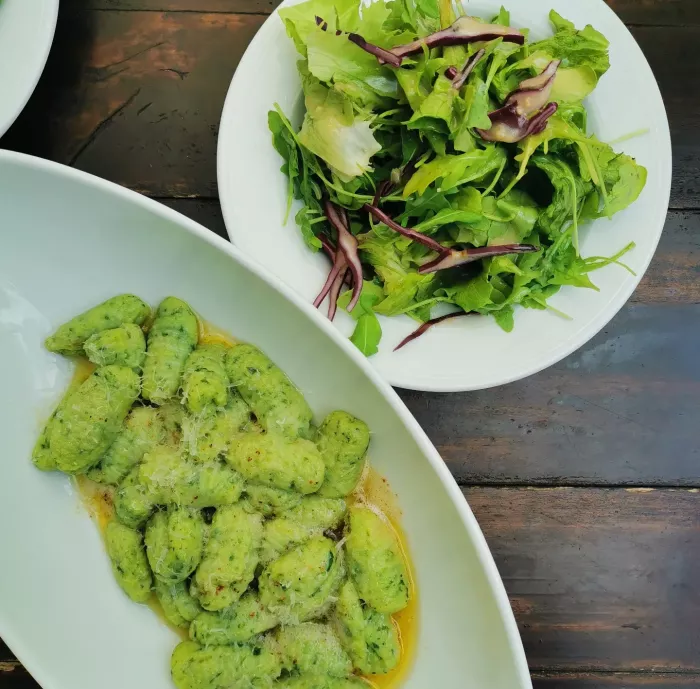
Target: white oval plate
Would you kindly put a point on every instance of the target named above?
(26, 33)
(61, 611)
(467, 354)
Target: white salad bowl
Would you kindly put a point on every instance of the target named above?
(468, 353)
(26, 33)
(71, 240)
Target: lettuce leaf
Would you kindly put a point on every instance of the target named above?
(332, 131)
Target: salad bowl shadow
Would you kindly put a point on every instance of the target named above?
(60, 610)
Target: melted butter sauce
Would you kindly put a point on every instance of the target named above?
(373, 491)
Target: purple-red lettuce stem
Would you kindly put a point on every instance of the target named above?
(327, 247)
(533, 94)
(384, 56)
(334, 293)
(451, 73)
(451, 258)
(347, 248)
(539, 121)
(384, 189)
(339, 264)
(323, 25)
(463, 30)
(329, 250)
(463, 75)
(429, 324)
(347, 243)
(510, 123)
(508, 127)
(405, 231)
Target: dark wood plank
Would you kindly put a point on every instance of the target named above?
(671, 54)
(207, 213)
(14, 676)
(623, 410)
(657, 12)
(615, 680)
(599, 579)
(136, 97)
(645, 12)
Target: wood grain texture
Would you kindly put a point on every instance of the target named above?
(14, 676)
(624, 409)
(599, 579)
(136, 97)
(645, 12)
(615, 680)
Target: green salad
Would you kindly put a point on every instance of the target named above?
(444, 163)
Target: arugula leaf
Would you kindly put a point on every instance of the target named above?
(455, 170)
(568, 197)
(368, 331)
(301, 183)
(442, 103)
(367, 334)
(502, 18)
(402, 286)
(575, 48)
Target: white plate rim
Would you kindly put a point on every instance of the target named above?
(407, 379)
(39, 59)
(25, 655)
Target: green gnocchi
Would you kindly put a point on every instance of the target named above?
(229, 508)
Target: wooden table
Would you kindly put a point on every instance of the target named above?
(585, 477)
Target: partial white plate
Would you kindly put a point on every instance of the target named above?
(61, 611)
(466, 354)
(26, 33)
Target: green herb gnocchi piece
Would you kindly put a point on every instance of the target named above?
(312, 648)
(174, 543)
(133, 504)
(71, 336)
(269, 501)
(230, 558)
(276, 402)
(172, 416)
(375, 561)
(223, 667)
(342, 440)
(278, 462)
(142, 431)
(320, 682)
(240, 622)
(172, 480)
(178, 604)
(124, 346)
(129, 563)
(172, 337)
(87, 421)
(205, 381)
(298, 586)
(311, 517)
(208, 436)
(369, 637)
